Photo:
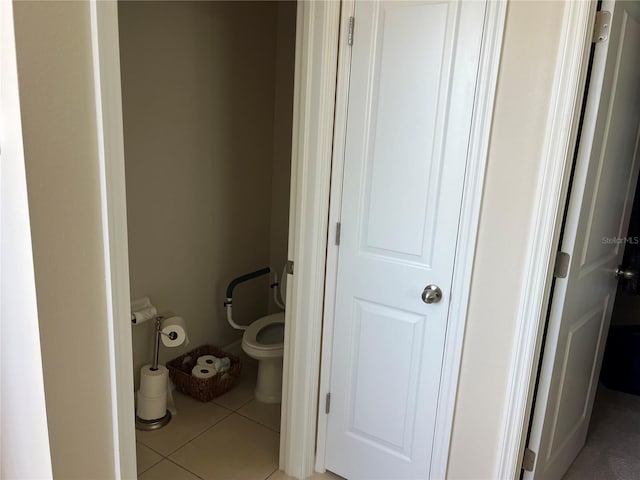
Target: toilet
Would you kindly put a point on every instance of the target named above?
(263, 339)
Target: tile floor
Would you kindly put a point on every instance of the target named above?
(234, 437)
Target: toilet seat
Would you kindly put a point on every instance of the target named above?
(258, 341)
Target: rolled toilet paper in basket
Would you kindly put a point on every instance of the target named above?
(177, 326)
(208, 361)
(219, 364)
(154, 383)
(203, 371)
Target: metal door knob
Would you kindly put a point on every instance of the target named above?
(626, 274)
(431, 294)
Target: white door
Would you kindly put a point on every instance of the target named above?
(413, 75)
(597, 220)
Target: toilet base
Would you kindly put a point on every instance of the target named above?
(269, 382)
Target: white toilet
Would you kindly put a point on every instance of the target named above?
(263, 340)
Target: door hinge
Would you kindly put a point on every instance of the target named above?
(327, 404)
(602, 26)
(528, 460)
(352, 20)
(338, 228)
(561, 268)
(290, 267)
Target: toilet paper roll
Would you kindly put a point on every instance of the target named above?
(153, 383)
(202, 371)
(140, 304)
(151, 408)
(177, 326)
(208, 361)
(143, 315)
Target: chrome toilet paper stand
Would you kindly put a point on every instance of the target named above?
(157, 423)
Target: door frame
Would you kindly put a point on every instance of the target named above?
(317, 31)
(317, 27)
(559, 145)
(110, 142)
(495, 17)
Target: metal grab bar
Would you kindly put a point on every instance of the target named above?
(244, 278)
(237, 281)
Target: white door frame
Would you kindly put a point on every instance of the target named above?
(560, 141)
(108, 99)
(465, 250)
(315, 79)
(318, 24)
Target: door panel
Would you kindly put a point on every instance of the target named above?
(582, 342)
(413, 75)
(401, 130)
(597, 221)
(388, 421)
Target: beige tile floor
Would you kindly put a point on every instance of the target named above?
(234, 437)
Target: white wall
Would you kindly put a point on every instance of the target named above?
(531, 41)
(24, 442)
(55, 72)
(207, 114)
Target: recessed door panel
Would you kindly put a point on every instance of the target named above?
(404, 143)
(384, 378)
(579, 375)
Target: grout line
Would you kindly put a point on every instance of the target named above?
(150, 448)
(228, 412)
(150, 466)
(185, 469)
(269, 476)
(245, 404)
(258, 422)
(236, 408)
(202, 432)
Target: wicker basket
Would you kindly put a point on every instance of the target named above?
(203, 389)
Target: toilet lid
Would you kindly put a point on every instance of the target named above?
(266, 332)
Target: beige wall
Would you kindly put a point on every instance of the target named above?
(205, 108)
(283, 112)
(518, 130)
(55, 75)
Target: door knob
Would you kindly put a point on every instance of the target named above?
(626, 274)
(431, 294)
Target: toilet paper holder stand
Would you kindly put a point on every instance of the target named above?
(162, 421)
(159, 333)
